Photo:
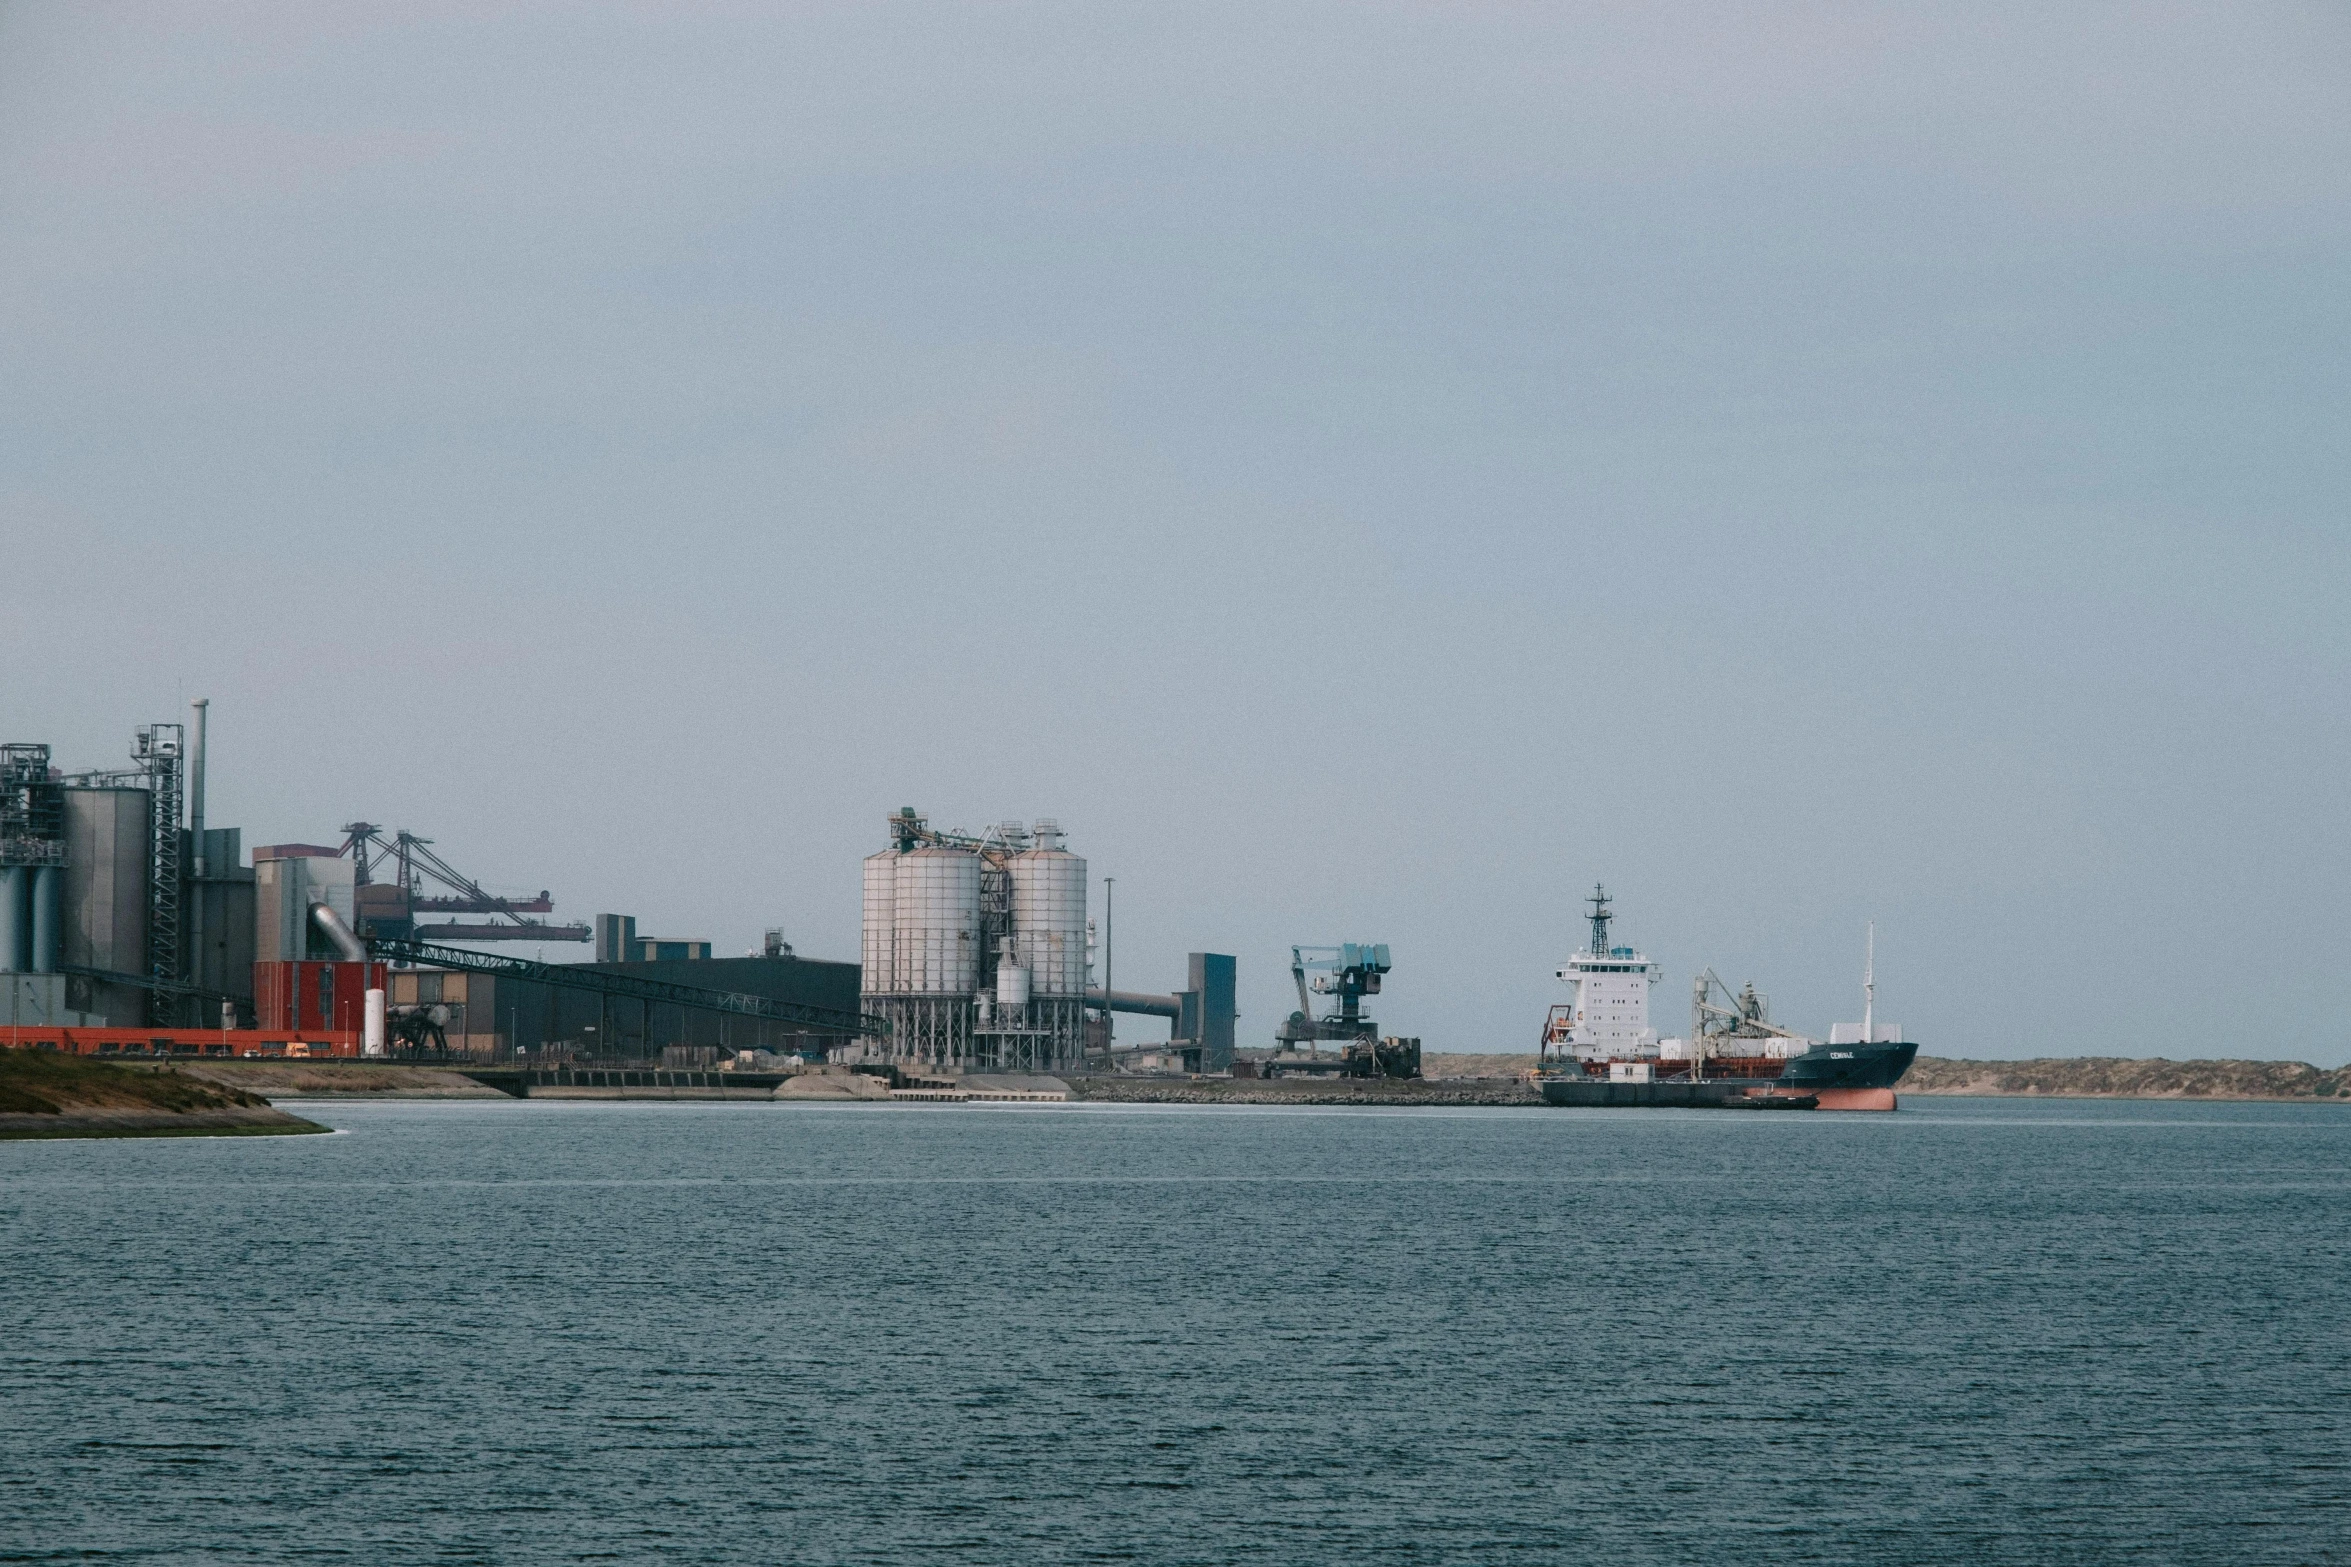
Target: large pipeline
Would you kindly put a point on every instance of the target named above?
(349, 945)
(1135, 1001)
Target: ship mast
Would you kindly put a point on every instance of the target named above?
(1600, 917)
(1869, 985)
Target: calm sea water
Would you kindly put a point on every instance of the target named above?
(1975, 1331)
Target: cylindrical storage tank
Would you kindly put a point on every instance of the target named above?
(935, 925)
(106, 879)
(371, 1038)
(48, 910)
(1012, 985)
(16, 918)
(877, 934)
(1049, 914)
(105, 895)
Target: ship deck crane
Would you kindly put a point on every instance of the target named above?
(1743, 1016)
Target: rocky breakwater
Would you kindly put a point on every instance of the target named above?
(337, 1079)
(1302, 1091)
(44, 1094)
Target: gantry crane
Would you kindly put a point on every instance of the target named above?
(413, 860)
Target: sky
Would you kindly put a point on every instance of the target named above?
(1369, 472)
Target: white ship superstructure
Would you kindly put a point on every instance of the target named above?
(1599, 1050)
(1609, 1018)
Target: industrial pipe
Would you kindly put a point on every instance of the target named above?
(350, 946)
(1135, 1001)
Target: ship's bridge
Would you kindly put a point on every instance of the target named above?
(1609, 1017)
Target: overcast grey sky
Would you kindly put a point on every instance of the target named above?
(1368, 471)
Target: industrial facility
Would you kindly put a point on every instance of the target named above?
(129, 924)
(974, 950)
(977, 954)
(111, 910)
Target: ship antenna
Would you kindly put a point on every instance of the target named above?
(1869, 985)
(1599, 902)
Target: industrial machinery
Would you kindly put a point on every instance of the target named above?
(390, 908)
(1739, 1025)
(418, 1031)
(1199, 1017)
(32, 860)
(32, 808)
(32, 876)
(1350, 972)
(110, 879)
(1734, 1036)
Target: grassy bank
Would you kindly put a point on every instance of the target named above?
(45, 1094)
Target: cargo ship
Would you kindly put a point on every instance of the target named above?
(1599, 1049)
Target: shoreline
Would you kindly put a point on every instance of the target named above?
(68, 1126)
(1466, 1080)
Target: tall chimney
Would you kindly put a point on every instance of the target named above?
(193, 896)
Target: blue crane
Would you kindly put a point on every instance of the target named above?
(1349, 972)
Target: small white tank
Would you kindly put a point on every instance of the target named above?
(1012, 985)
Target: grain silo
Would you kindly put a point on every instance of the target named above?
(1049, 940)
(974, 947)
(876, 936)
(108, 902)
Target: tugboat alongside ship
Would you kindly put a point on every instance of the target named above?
(1598, 1050)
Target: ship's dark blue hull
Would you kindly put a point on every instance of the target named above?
(1843, 1077)
(1597, 1093)
(1848, 1066)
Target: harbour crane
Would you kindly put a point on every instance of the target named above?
(1349, 972)
(391, 908)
